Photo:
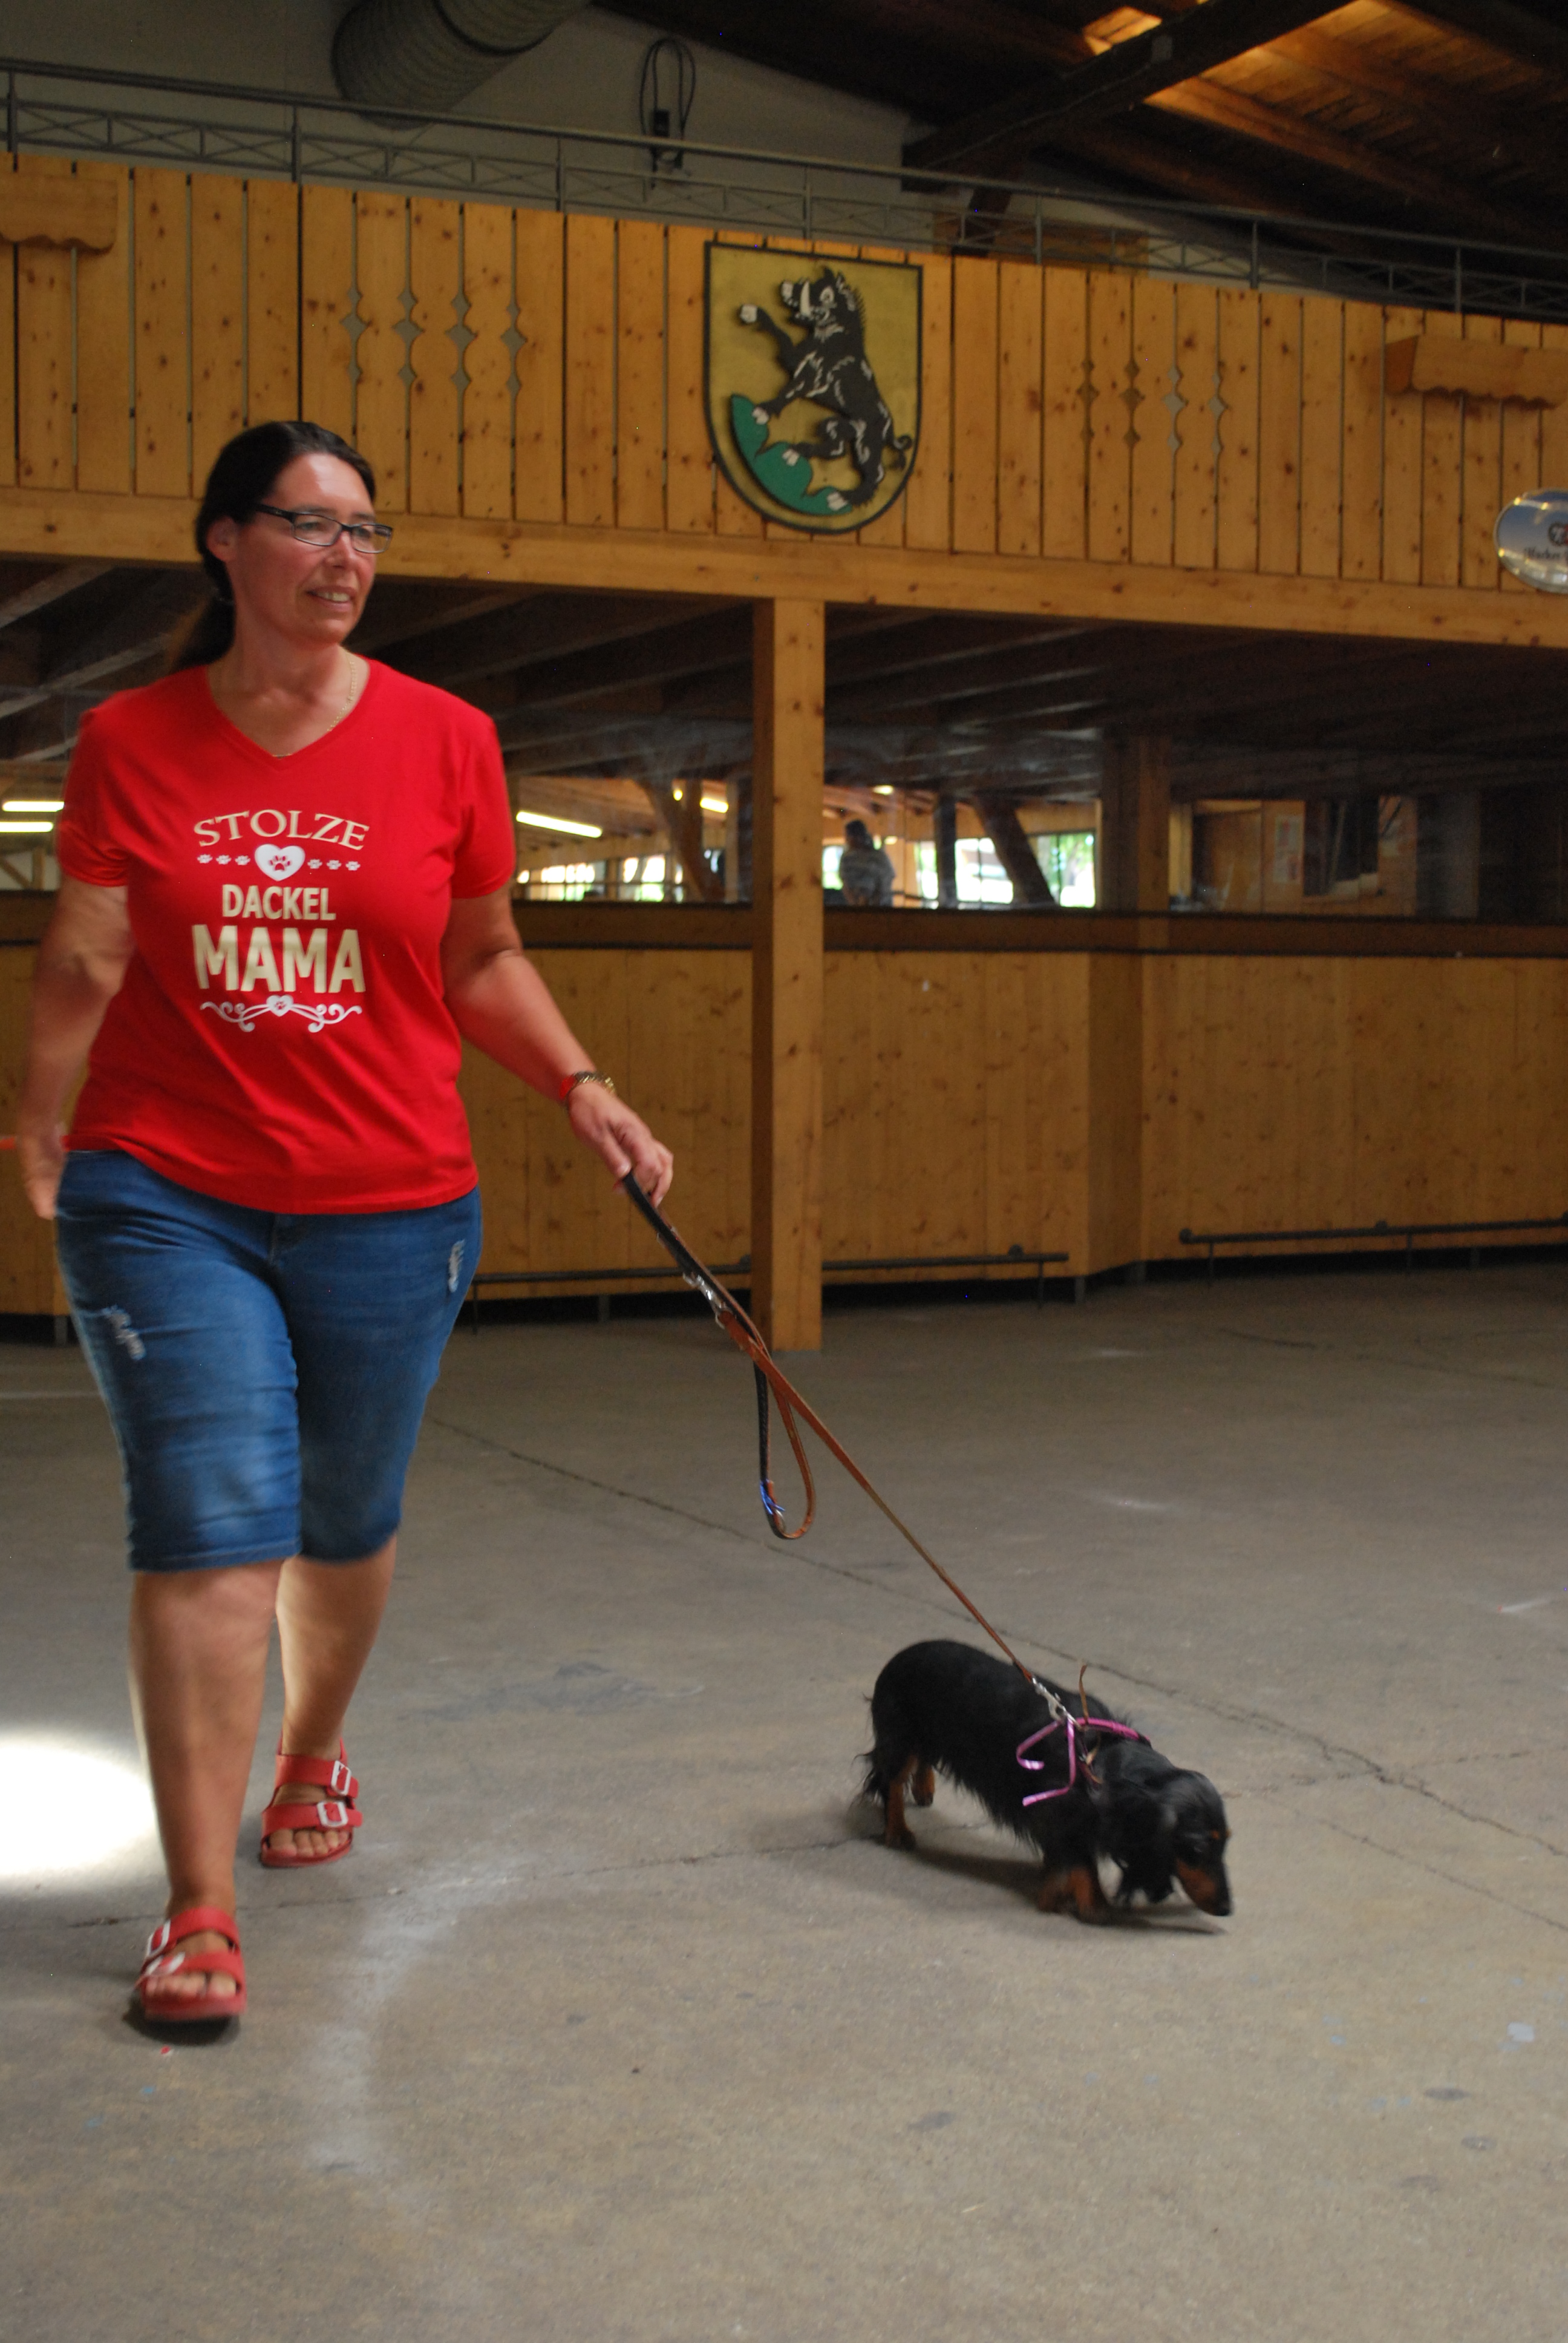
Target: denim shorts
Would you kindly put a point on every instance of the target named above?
(265, 1373)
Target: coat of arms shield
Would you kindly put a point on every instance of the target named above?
(813, 388)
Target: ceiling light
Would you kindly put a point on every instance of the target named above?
(714, 805)
(882, 789)
(32, 805)
(558, 822)
(26, 828)
(678, 793)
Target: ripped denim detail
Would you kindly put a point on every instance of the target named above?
(454, 1266)
(119, 1323)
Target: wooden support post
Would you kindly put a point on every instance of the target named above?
(1135, 826)
(945, 832)
(787, 975)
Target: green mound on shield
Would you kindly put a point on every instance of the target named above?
(785, 476)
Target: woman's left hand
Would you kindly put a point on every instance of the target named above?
(606, 1124)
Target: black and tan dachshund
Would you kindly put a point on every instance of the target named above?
(946, 1708)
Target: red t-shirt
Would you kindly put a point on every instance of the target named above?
(281, 1039)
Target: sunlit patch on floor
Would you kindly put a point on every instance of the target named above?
(64, 1808)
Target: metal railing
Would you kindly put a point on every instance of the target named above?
(60, 109)
(1015, 1257)
(1408, 1229)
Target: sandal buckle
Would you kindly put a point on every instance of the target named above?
(158, 1939)
(332, 1814)
(341, 1776)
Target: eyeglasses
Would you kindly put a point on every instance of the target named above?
(319, 529)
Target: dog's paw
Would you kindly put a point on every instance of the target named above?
(923, 1789)
(900, 1837)
(748, 313)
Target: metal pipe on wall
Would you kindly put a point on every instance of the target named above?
(431, 54)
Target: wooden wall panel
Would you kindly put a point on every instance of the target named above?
(7, 351)
(436, 393)
(1521, 457)
(272, 300)
(381, 393)
(1109, 416)
(1151, 535)
(1482, 491)
(1064, 392)
(640, 375)
(1198, 438)
(689, 492)
(162, 342)
(494, 363)
(46, 355)
(1302, 1093)
(928, 499)
(1441, 495)
(1360, 541)
(1402, 418)
(675, 1027)
(1279, 435)
(540, 403)
(104, 351)
(1322, 435)
(488, 362)
(1236, 466)
(1019, 322)
(328, 298)
(975, 368)
(590, 372)
(217, 318)
(27, 1245)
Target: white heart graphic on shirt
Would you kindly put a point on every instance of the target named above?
(279, 861)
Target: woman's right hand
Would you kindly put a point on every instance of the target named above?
(42, 1155)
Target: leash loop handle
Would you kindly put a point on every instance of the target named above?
(770, 1380)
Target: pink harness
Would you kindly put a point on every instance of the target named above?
(1074, 1725)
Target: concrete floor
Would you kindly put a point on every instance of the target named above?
(617, 2026)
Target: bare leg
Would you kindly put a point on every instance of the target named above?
(198, 1667)
(328, 1616)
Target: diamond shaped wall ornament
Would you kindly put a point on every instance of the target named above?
(1175, 405)
(353, 325)
(460, 335)
(408, 332)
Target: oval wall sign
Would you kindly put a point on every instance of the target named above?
(1531, 538)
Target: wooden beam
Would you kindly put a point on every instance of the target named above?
(681, 818)
(1500, 370)
(156, 529)
(787, 976)
(61, 580)
(79, 214)
(1123, 77)
(139, 629)
(1030, 891)
(1490, 133)
(1514, 32)
(1135, 826)
(1221, 108)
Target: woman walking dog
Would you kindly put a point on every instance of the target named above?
(285, 896)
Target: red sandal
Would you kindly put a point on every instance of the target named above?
(336, 1813)
(191, 2010)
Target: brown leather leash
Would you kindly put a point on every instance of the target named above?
(770, 1379)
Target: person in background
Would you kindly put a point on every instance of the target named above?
(865, 871)
(286, 903)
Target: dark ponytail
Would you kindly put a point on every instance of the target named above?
(242, 478)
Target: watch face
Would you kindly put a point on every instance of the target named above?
(1531, 539)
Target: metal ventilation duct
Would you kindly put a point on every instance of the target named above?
(427, 55)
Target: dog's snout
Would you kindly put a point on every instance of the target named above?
(1210, 1890)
